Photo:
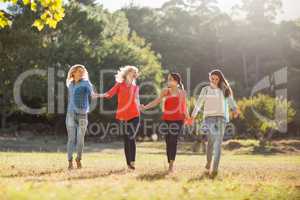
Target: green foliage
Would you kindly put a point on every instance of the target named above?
(88, 34)
(261, 113)
(48, 12)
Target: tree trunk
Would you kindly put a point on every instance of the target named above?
(3, 120)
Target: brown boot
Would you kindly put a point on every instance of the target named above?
(70, 167)
(78, 163)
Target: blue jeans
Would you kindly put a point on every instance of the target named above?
(215, 127)
(76, 127)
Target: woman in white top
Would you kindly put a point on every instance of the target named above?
(217, 99)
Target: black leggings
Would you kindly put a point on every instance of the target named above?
(171, 131)
(129, 129)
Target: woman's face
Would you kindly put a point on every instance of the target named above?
(131, 75)
(171, 82)
(78, 74)
(214, 79)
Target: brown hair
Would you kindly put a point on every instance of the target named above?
(178, 79)
(223, 83)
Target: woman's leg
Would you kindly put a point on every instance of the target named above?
(82, 126)
(172, 146)
(123, 129)
(71, 129)
(209, 151)
(175, 129)
(167, 147)
(135, 131)
(217, 146)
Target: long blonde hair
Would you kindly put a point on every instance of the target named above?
(72, 70)
(123, 71)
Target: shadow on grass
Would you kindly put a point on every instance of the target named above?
(204, 176)
(153, 176)
(64, 174)
(93, 174)
(32, 173)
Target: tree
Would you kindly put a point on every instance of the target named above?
(20, 50)
(262, 115)
(48, 12)
(89, 35)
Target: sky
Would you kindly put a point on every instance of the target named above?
(291, 8)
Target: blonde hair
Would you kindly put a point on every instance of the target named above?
(123, 71)
(72, 70)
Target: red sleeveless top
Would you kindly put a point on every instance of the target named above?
(174, 107)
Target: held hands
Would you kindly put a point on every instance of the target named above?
(143, 107)
(96, 95)
(236, 114)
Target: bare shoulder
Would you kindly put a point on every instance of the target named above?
(182, 92)
(164, 91)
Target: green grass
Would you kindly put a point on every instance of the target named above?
(44, 176)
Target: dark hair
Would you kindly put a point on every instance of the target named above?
(223, 83)
(178, 79)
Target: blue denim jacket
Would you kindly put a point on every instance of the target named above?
(79, 94)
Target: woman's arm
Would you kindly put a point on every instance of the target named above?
(96, 95)
(199, 103)
(233, 106)
(90, 90)
(184, 104)
(156, 101)
(137, 96)
(112, 92)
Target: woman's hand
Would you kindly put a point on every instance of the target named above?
(142, 107)
(96, 95)
(236, 114)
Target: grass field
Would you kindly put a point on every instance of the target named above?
(43, 175)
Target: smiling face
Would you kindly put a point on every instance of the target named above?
(172, 83)
(132, 75)
(214, 79)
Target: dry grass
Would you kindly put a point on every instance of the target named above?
(44, 176)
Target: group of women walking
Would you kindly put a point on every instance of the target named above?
(216, 99)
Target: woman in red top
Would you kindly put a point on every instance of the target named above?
(174, 114)
(128, 113)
